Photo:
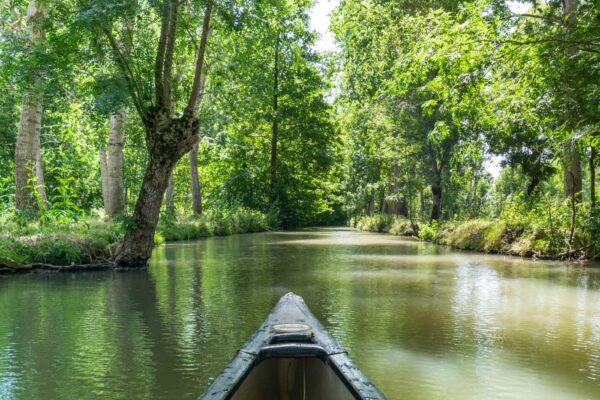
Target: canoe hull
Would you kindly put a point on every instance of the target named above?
(291, 356)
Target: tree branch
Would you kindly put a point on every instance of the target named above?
(544, 17)
(126, 71)
(550, 40)
(160, 52)
(168, 67)
(193, 101)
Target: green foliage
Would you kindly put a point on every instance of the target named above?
(418, 100)
(56, 243)
(429, 231)
(386, 223)
(219, 224)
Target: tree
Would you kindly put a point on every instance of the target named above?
(169, 135)
(196, 188)
(29, 175)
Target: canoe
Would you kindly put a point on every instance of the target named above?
(291, 357)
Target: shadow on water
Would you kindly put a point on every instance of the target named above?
(422, 321)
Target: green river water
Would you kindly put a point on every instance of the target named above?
(423, 322)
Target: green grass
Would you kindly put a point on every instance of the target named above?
(56, 243)
(385, 224)
(515, 233)
(88, 241)
(221, 224)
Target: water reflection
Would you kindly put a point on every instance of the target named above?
(422, 321)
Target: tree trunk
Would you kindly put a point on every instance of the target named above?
(193, 156)
(274, 127)
(104, 179)
(573, 182)
(170, 197)
(195, 181)
(26, 154)
(28, 166)
(592, 165)
(568, 7)
(116, 186)
(39, 167)
(168, 139)
(371, 207)
(436, 192)
(422, 204)
(136, 247)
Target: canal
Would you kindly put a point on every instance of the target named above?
(422, 321)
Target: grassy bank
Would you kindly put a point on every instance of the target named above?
(221, 224)
(67, 243)
(88, 241)
(525, 235)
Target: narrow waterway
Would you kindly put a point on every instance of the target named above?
(423, 322)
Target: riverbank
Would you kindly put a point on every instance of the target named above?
(88, 244)
(523, 238)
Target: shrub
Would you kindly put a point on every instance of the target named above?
(429, 231)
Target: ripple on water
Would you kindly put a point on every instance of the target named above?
(423, 322)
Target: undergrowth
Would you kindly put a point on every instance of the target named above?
(553, 229)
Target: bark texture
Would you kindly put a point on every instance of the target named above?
(116, 187)
(170, 139)
(28, 160)
(573, 182)
(104, 178)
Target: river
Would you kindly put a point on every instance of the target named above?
(422, 321)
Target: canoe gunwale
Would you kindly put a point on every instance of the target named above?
(265, 344)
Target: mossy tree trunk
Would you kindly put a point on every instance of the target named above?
(167, 143)
(168, 138)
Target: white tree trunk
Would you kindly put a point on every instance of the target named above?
(193, 156)
(104, 178)
(28, 160)
(116, 141)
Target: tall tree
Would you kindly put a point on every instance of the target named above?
(29, 175)
(169, 134)
(573, 181)
(116, 141)
(274, 123)
(196, 188)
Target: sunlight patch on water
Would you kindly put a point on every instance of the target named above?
(490, 375)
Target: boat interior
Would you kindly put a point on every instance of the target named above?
(292, 379)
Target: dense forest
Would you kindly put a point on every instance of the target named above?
(124, 123)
